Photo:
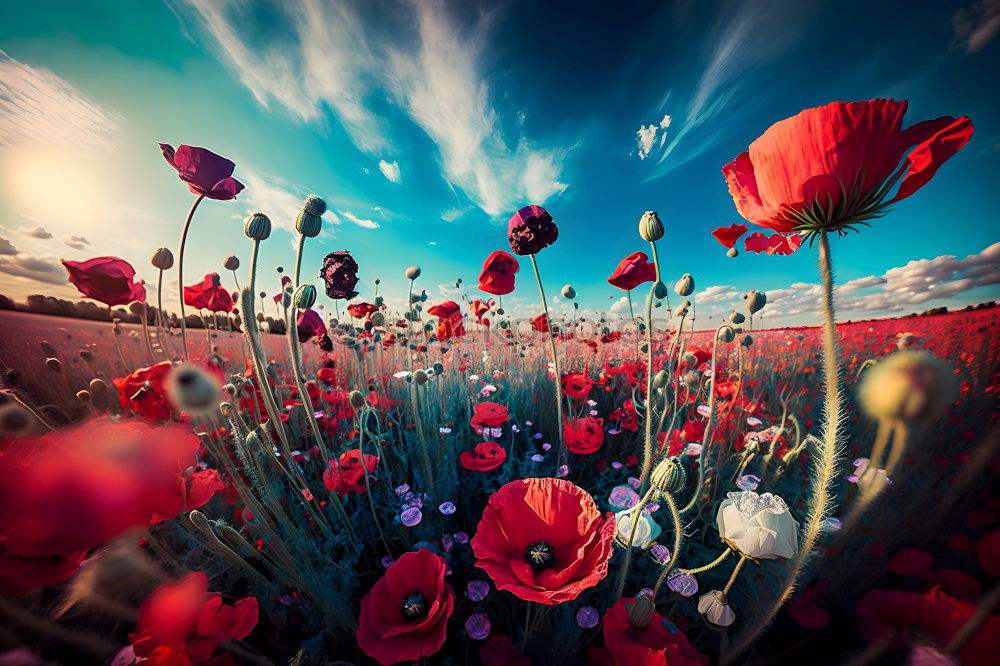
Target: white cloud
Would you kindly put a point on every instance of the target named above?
(646, 136)
(367, 224)
(716, 294)
(321, 55)
(976, 26)
(38, 106)
(76, 242)
(40, 269)
(278, 200)
(390, 170)
(620, 306)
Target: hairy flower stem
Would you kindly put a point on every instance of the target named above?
(647, 449)
(634, 515)
(161, 337)
(555, 364)
(145, 333)
(676, 552)
(180, 269)
(706, 438)
(362, 430)
(736, 571)
(419, 422)
(711, 565)
(825, 466)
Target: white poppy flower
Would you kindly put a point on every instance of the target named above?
(715, 608)
(646, 530)
(759, 525)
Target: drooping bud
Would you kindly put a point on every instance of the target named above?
(685, 285)
(660, 379)
(438, 368)
(746, 341)
(641, 613)
(305, 296)
(83, 396)
(732, 252)
(420, 377)
(660, 290)
(413, 272)
(310, 219)
(726, 334)
(737, 317)
(569, 292)
(357, 399)
(907, 386)
(755, 300)
(163, 259)
(257, 226)
(379, 301)
(650, 226)
(231, 263)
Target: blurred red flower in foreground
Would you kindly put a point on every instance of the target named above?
(209, 294)
(205, 172)
(449, 316)
(65, 492)
(497, 276)
(543, 540)
(143, 392)
(632, 271)
(659, 643)
(360, 310)
(109, 280)
(405, 615)
(347, 475)
(540, 323)
(833, 167)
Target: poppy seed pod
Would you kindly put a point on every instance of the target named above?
(660, 379)
(685, 285)
(726, 334)
(305, 296)
(309, 221)
(163, 259)
(755, 300)
(660, 290)
(746, 341)
(668, 476)
(257, 226)
(379, 301)
(641, 612)
(357, 399)
(191, 389)
(650, 226)
(569, 292)
(413, 272)
(907, 386)
(231, 263)
(737, 317)
(732, 252)
(438, 368)
(376, 318)
(420, 377)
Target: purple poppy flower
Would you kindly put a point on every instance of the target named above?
(205, 172)
(340, 274)
(530, 230)
(309, 325)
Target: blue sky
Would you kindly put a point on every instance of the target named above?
(426, 124)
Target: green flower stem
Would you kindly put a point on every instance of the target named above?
(419, 423)
(708, 430)
(675, 553)
(711, 565)
(180, 269)
(362, 430)
(736, 571)
(647, 449)
(555, 364)
(635, 514)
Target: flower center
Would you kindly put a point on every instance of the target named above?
(539, 555)
(414, 606)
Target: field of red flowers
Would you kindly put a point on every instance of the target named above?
(441, 483)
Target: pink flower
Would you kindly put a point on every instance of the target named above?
(206, 173)
(109, 280)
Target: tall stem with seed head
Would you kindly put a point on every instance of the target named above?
(180, 269)
(555, 362)
(647, 449)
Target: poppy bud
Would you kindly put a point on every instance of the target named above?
(309, 221)
(163, 259)
(660, 290)
(191, 389)
(257, 226)
(377, 318)
(438, 368)
(500, 311)
(746, 341)
(714, 607)
(668, 476)
(231, 263)
(726, 334)
(737, 317)
(413, 272)
(305, 296)
(86, 355)
(685, 285)
(907, 386)
(98, 387)
(691, 378)
(641, 613)
(229, 389)
(357, 399)
(569, 292)
(420, 377)
(660, 379)
(379, 301)
(650, 226)
(732, 252)
(755, 300)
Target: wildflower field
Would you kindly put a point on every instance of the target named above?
(248, 477)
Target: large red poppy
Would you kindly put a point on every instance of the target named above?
(109, 280)
(143, 392)
(488, 415)
(577, 385)
(540, 323)
(347, 475)
(209, 294)
(497, 276)
(659, 643)
(309, 325)
(449, 316)
(543, 540)
(632, 271)
(405, 615)
(584, 435)
(834, 166)
(483, 457)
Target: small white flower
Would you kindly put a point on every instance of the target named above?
(646, 529)
(489, 388)
(443, 430)
(693, 449)
(473, 378)
(704, 410)
(403, 374)
(496, 432)
(759, 525)
(715, 608)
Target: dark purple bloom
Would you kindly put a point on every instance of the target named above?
(531, 229)
(205, 172)
(340, 273)
(309, 325)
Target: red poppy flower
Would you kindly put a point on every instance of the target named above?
(954, 582)
(488, 415)
(109, 280)
(361, 310)
(659, 643)
(227, 623)
(347, 475)
(530, 230)
(481, 307)
(205, 172)
(209, 294)
(449, 316)
(577, 385)
(584, 435)
(497, 276)
(483, 457)
(71, 490)
(340, 275)
(626, 416)
(168, 615)
(632, 271)
(833, 166)
(933, 614)
(405, 615)
(197, 488)
(309, 325)
(143, 392)
(729, 235)
(540, 323)
(543, 540)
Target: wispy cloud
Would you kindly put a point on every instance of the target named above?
(351, 217)
(7, 248)
(76, 242)
(317, 55)
(390, 170)
(38, 106)
(39, 232)
(40, 269)
(278, 200)
(976, 25)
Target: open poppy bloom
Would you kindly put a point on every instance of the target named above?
(543, 540)
(497, 276)
(577, 385)
(405, 614)
(206, 173)
(488, 415)
(361, 310)
(729, 235)
(209, 294)
(483, 457)
(530, 230)
(109, 280)
(309, 325)
(584, 435)
(833, 167)
(144, 393)
(340, 275)
(481, 307)
(347, 475)
(632, 271)
(450, 318)
(660, 642)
